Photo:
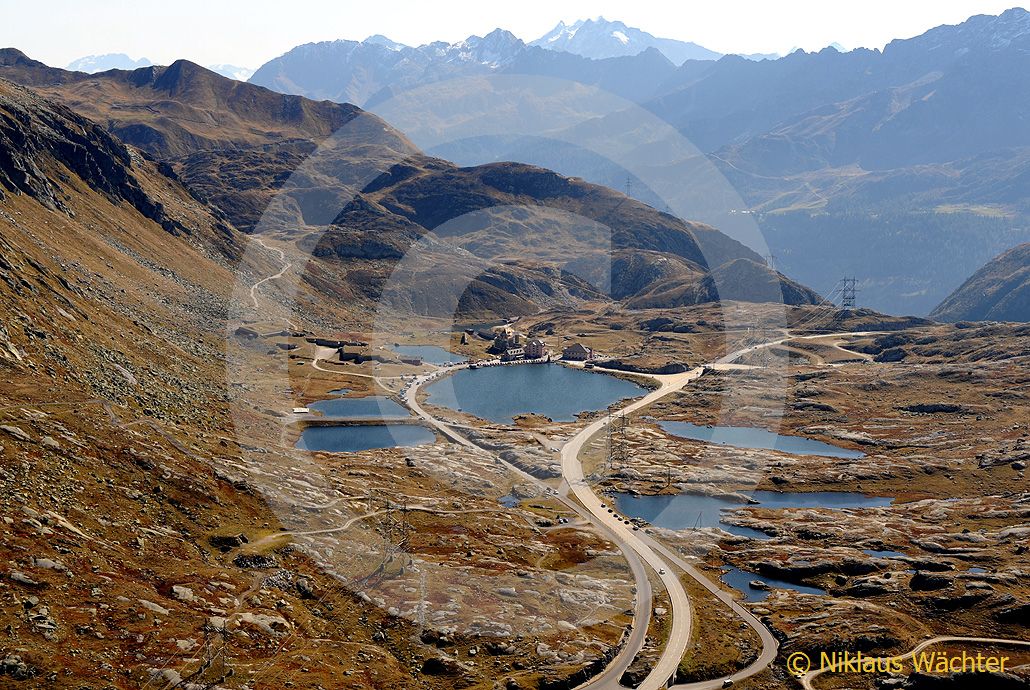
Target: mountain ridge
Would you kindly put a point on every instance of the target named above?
(999, 291)
(251, 140)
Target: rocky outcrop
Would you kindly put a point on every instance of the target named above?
(932, 408)
(923, 582)
(38, 138)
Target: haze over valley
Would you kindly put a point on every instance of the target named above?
(586, 357)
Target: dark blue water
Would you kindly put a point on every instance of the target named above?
(370, 407)
(740, 579)
(430, 354)
(350, 439)
(749, 437)
(686, 511)
(502, 392)
(882, 554)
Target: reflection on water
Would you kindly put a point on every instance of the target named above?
(500, 393)
(370, 407)
(351, 439)
(883, 554)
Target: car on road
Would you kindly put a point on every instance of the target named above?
(661, 571)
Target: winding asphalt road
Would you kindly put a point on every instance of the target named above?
(659, 558)
(656, 555)
(631, 645)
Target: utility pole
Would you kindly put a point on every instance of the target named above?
(620, 452)
(608, 439)
(848, 293)
(422, 604)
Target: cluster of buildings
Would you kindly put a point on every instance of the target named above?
(512, 346)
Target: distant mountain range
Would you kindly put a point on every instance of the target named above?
(600, 38)
(906, 167)
(232, 71)
(1000, 291)
(102, 63)
(365, 72)
(92, 64)
(921, 150)
(234, 145)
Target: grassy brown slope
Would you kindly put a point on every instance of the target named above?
(1000, 291)
(235, 144)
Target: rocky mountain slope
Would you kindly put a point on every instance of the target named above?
(533, 233)
(236, 146)
(927, 133)
(1000, 291)
(231, 143)
(129, 501)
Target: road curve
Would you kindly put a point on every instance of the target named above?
(285, 267)
(631, 646)
(654, 552)
(572, 471)
(657, 556)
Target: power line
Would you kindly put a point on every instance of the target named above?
(848, 293)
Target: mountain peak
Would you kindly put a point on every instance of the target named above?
(381, 40)
(101, 63)
(987, 32)
(10, 57)
(601, 38)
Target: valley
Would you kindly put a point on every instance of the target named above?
(300, 394)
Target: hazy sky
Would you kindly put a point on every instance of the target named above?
(248, 33)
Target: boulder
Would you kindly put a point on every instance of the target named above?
(441, 666)
(15, 433)
(924, 582)
(229, 542)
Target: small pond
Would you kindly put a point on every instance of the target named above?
(750, 437)
(351, 439)
(369, 407)
(686, 511)
(741, 581)
(499, 393)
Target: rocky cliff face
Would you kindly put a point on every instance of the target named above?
(35, 134)
(232, 144)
